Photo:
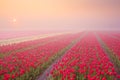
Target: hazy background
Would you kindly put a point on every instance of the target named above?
(59, 15)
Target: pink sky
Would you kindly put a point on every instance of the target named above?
(59, 15)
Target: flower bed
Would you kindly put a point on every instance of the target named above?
(112, 43)
(28, 64)
(85, 61)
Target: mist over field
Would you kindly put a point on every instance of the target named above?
(59, 15)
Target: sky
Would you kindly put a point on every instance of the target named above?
(59, 15)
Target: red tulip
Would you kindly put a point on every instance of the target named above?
(104, 78)
(6, 77)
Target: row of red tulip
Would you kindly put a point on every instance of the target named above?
(112, 43)
(16, 46)
(29, 64)
(85, 61)
(116, 34)
(7, 48)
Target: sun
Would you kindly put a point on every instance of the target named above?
(14, 20)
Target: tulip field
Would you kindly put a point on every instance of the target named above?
(73, 56)
(113, 43)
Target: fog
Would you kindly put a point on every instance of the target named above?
(59, 15)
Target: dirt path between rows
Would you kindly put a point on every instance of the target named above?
(102, 46)
(108, 53)
(44, 76)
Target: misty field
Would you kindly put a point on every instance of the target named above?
(63, 56)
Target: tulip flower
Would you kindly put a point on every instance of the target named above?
(89, 63)
(28, 63)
